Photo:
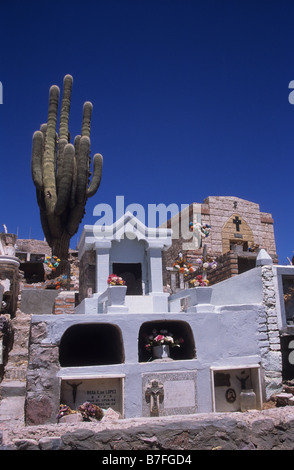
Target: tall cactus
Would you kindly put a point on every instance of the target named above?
(61, 171)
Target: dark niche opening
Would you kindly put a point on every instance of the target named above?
(91, 345)
(132, 274)
(178, 329)
(288, 292)
(33, 271)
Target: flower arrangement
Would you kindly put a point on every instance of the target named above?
(182, 266)
(163, 337)
(114, 280)
(58, 283)
(202, 229)
(64, 410)
(205, 263)
(198, 281)
(202, 264)
(90, 411)
(52, 261)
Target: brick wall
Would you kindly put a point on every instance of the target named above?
(65, 303)
(256, 229)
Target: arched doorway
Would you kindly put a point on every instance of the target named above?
(236, 233)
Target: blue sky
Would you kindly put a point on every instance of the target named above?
(190, 100)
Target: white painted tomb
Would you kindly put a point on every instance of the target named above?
(100, 349)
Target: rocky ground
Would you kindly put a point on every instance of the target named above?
(270, 429)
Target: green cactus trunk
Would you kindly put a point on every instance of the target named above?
(61, 173)
(60, 248)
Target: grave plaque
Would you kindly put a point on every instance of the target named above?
(176, 393)
(105, 392)
(179, 393)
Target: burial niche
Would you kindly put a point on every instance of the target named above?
(91, 344)
(180, 330)
(132, 274)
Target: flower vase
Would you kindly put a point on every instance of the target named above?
(116, 295)
(161, 351)
(248, 400)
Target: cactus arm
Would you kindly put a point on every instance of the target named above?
(74, 181)
(86, 123)
(65, 107)
(97, 173)
(77, 212)
(83, 169)
(65, 180)
(63, 124)
(36, 162)
(60, 155)
(49, 153)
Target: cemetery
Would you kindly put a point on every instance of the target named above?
(136, 321)
(219, 343)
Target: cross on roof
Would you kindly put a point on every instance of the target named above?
(237, 222)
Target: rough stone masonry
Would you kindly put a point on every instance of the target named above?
(271, 429)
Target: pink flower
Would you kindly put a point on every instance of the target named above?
(159, 338)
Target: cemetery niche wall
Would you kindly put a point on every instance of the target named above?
(108, 351)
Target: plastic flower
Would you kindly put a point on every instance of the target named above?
(114, 280)
(169, 339)
(159, 338)
(164, 337)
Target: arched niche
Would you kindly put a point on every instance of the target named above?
(178, 328)
(91, 344)
(237, 232)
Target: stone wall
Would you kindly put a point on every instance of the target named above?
(269, 335)
(28, 245)
(42, 391)
(271, 429)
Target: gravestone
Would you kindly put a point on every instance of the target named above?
(106, 392)
(38, 301)
(169, 393)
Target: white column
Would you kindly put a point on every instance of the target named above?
(155, 267)
(102, 248)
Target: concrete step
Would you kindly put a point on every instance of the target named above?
(12, 388)
(12, 410)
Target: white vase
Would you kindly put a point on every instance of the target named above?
(161, 351)
(116, 295)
